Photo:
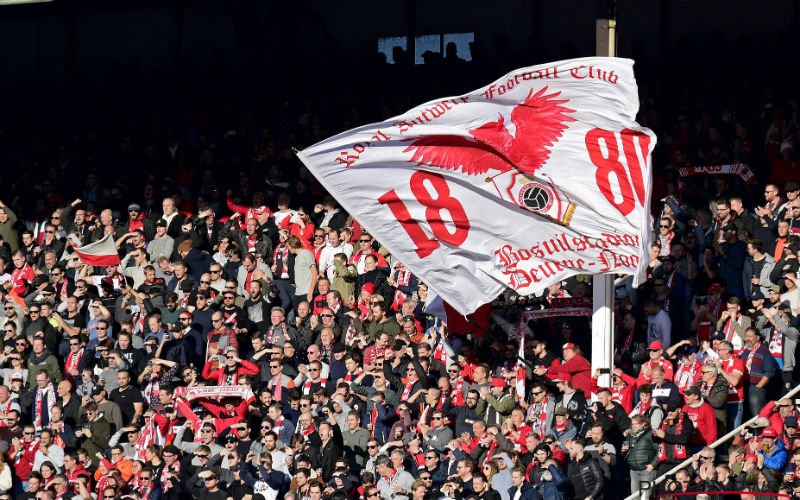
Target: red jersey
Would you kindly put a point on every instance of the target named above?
(735, 394)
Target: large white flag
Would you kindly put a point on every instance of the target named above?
(538, 176)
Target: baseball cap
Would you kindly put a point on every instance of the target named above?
(134, 206)
(714, 288)
(790, 421)
(96, 390)
(791, 186)
(751, 456)
(756, 295)
(775, 288)
(161, 223)
(769, 432)
(339, 347)
(717, 336)
(568, 345)
(261, 210)
(498, 382)
(655, 345)
(561, 411)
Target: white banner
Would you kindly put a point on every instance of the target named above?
(538, 176)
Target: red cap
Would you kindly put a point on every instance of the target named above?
(655, 345)
(369, 287)
(568, 345)
(498, 382)
(769, 432)
(261, 210)
(563, 377)
(715, 288)
(751, 456)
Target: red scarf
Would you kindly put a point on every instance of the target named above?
(277, 387)
(72, 362)
(457, 393)
(373, 418)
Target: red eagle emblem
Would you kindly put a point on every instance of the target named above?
(539, 121)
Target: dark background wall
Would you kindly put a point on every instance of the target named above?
(97, 44)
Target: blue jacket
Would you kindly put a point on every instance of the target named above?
(776, 461)
(555, 489)
(527, 492)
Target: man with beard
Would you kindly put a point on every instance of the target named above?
(257, 305)
(465, 416)
(584, 472)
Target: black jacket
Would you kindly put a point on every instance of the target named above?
(586, 478)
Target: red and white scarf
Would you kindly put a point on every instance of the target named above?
(175, 469)
(352, 376)
(402, 278)
(730, 333)
(678, 450)
(38, 409)
(776, 344)
(272, 338)
(152, 390)
(149, 434)
(5, 409)
(307, 385)
(72, 362)
(281, 257)
(537, 416)
(407, 391)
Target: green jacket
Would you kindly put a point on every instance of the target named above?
(642, 451)
(8, 230)
(498, 410)
(101, 431)
(49, 363)
(344, 279)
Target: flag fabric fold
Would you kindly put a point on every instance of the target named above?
(102, 252)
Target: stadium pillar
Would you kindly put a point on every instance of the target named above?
(603, 284)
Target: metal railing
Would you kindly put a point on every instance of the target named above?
(660, 479)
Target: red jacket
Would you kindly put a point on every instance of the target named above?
(705, 423)
(581, 372)
(622, 395)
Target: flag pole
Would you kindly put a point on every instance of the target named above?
(603, 284)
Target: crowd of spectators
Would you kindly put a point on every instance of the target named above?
(256, 342)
